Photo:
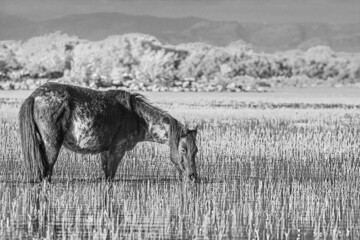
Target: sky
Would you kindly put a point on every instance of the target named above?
(265, 11)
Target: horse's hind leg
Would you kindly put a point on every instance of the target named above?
(48, 119)
(52, 153)
(52, 141)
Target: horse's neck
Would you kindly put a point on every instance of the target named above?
(160, 126)
(158, 130)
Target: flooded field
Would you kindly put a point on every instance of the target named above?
(268, 170)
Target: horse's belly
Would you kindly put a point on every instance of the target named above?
(85, 136)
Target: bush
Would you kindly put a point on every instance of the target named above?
(143, 59)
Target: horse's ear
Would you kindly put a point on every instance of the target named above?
(194, 131)
(184, 131)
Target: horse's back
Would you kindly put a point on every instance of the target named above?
(86, 119)
(52, 91)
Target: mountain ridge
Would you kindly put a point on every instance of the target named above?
(262, 36)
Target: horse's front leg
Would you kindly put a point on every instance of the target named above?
(110, 161)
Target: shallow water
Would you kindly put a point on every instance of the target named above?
(170, 209)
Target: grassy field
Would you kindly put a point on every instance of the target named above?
(281, 165)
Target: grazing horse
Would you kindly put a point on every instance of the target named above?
(90, 121)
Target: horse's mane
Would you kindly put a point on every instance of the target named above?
(144, 109)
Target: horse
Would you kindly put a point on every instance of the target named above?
(90, 121)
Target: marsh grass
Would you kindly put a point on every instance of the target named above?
(275, 176)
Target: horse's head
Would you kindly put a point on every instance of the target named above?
(184, 156)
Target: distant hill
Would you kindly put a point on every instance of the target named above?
(263, 37)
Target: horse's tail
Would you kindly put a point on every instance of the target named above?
(31, 143)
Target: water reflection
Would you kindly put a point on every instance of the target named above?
(170, 209)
